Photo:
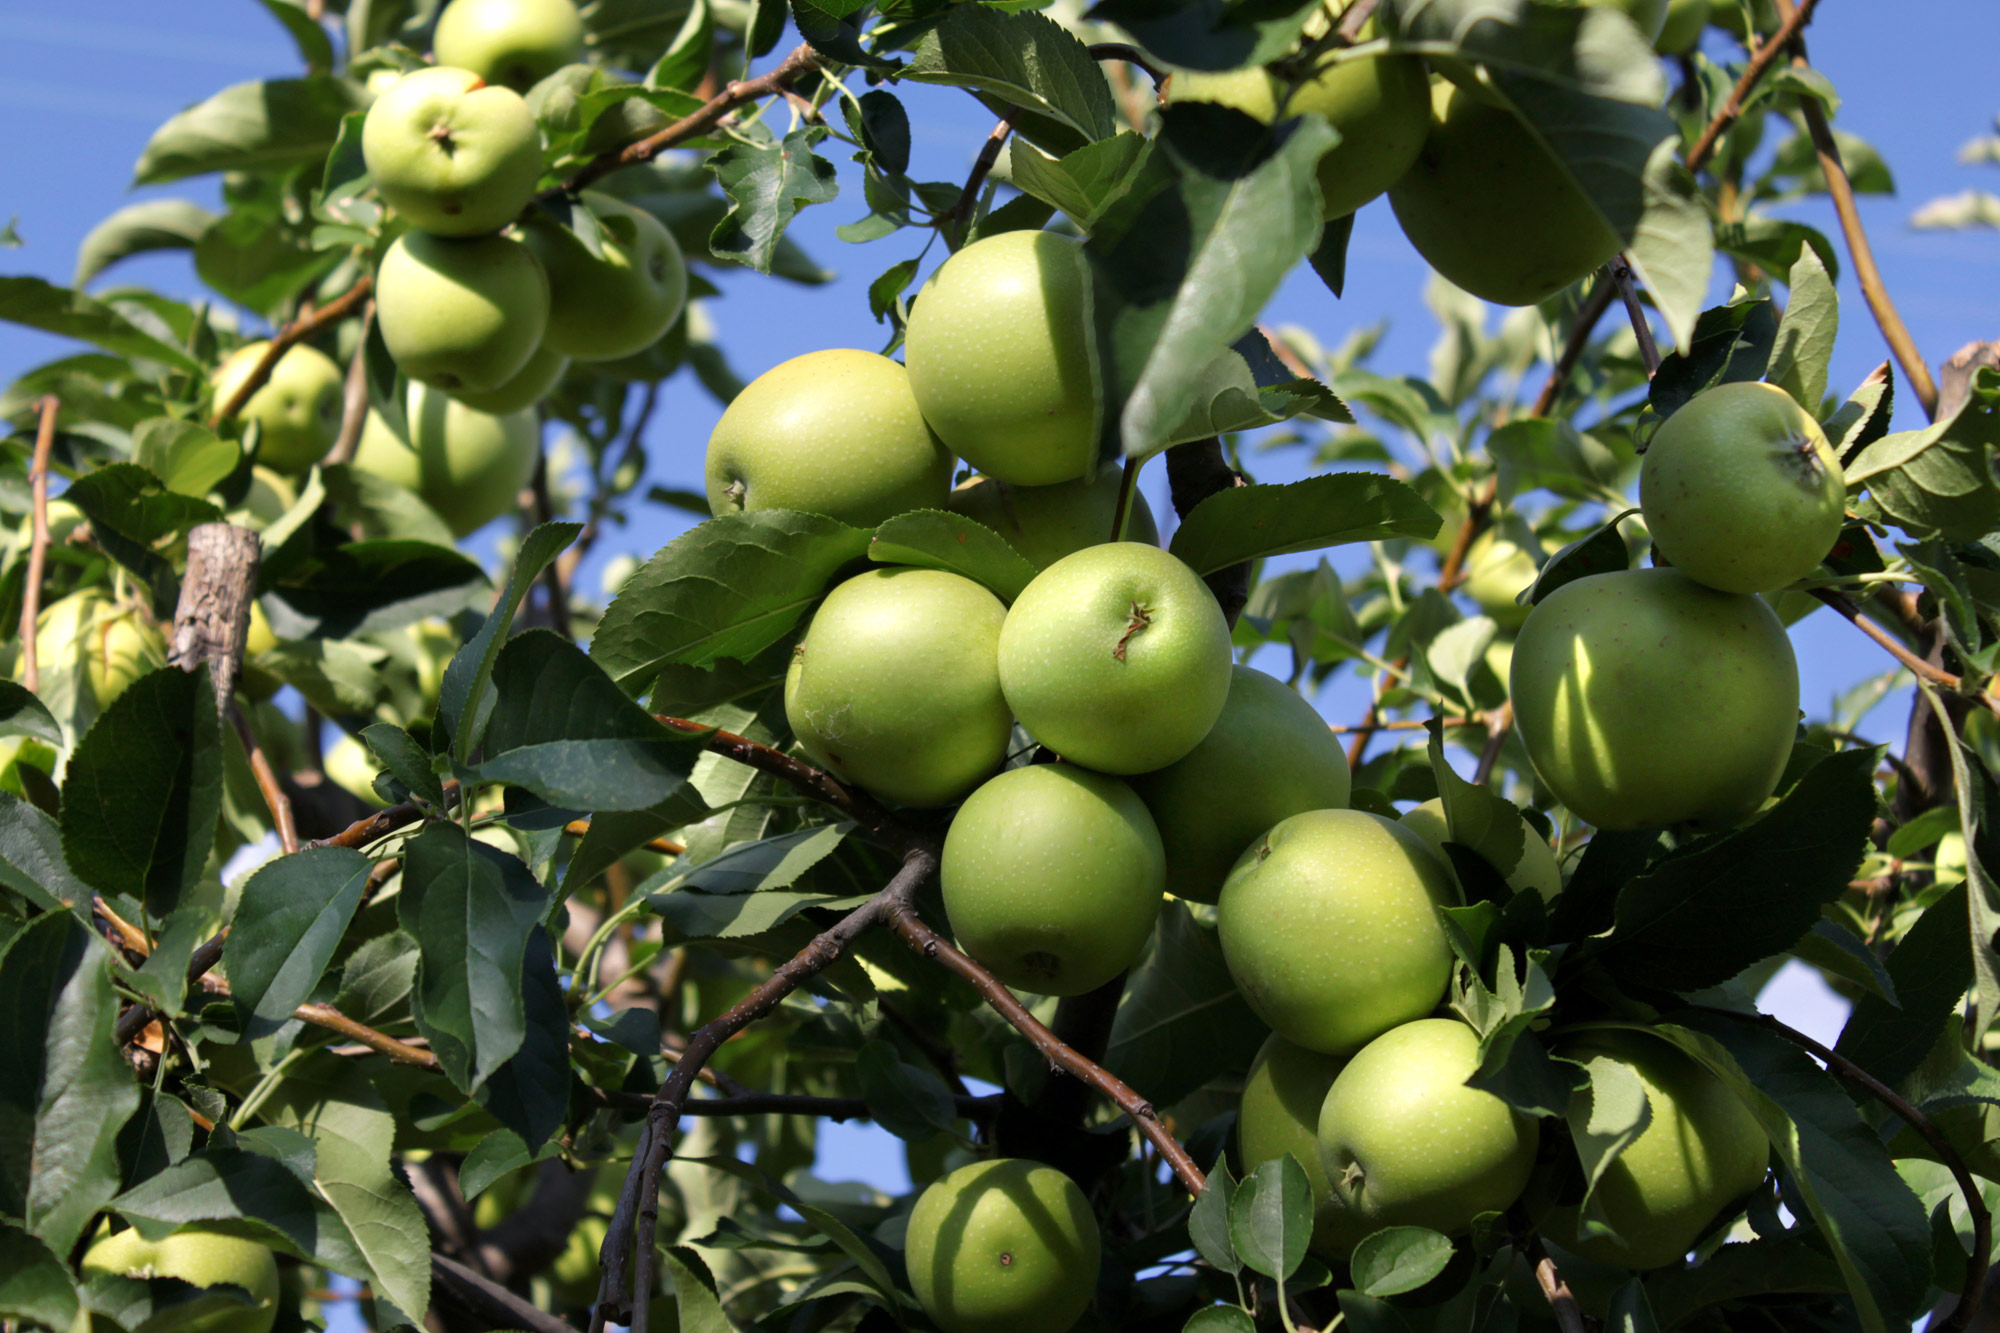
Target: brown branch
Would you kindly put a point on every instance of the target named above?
(576, 828)
(1628, 292)
(290, 336)
(487, 1301)
(734, 94)
(1916, 665)
(1975, 1203)
(989, 153)
(384, 822)
(354, 396)
(1498, 723)
(1587, 315)
(1128, 486)
(1415, 724)
(1562, 1301)
(267, 781)
(903, 918)
(1760, 64)
(31, 598)
(330, 1018)
(553, 591)
(791, 1103)
(1129, 54)
(856, 805)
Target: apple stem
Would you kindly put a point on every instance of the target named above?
(1141, 618)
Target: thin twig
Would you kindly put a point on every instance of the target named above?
(576, 828)
(1628, 291)
(855, 804)
(1587, 315)
(1414, 724)
(267, 781)
(1129, 54)
(1128, 485)
(354, 396)
(736, 93)
(1936, 675)
(384, 822)
(790, 1103)
(1498, 723)
(989, 153)
(330, 1018)
(31, 597)
(1975, 1203)
(291, 335)
(487, 1301)
(1562, 1301)
(1760, 64)
(553, 592)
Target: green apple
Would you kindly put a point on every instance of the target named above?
(267, 500)
(602, 308)
(1380, 103)
(1404, 1141)
(351, 766)
(1740, 489)
(1052, 877)
(462, 315)
(467, 465)
(200, 1258)
(896, 685)
(1491, 210)
(1046, 523)
(1536, 869)
(1649, 15)
(835, 432)
(1004, 1246)
(1117, 658)
(1497, 568)
(1000, 353)
(1646, 699)
(1681, 32)
(528, 387)
(298, 407)
(451, 154)
(1279, 1114)
(513, 42)
(1701, 1151)
(96, 646)
(1329, 925)
(1268, 757)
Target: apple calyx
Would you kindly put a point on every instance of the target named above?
(1142, 616)
(1352, 1177)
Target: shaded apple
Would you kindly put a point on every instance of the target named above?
(613, 304)
(463, 315)
(200, 1258)
(1046, 523)
(513, 42)
(1279, 1114)
(1003, 1246)
(1536, 868)
(298, 407)
(469, 466)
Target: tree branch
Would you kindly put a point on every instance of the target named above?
(38, 550)
(1628, 292)
(384, 822)
(1975, 1203)
(1760, 64)
(484, 1299)
(734, 94)
(989, 153)
(1129, 54)
(292, 334)
(354, 396)
(856, 805)
(1587, 315)
(1936, 675)
(1562, 1301)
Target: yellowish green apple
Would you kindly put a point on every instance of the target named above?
(298, 407)
(200, 1258)
(619, 303)
(97, 646)
(1279, 1114)
(467, 465)
(1003, 1246)
(517, 43)
(452, 154)
(464, 315)
(1497, 568)
(1536, 868)
(528, 387)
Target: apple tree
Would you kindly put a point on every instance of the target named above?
(918, 783)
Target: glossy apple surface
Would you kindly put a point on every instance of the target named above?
(1003, 1246)
(1491, 211)
(835, 432)
(1052, 877)
(896, 685)
(1741, 490)
(1405, 1142)
(1536, 868)
(999, 351)
(453, 155)
(1117, 658)
(1646, 699)
(467, 465)
(602, 307)
(202, 1259)
(1046, 523)
(1701, 1151)
(1279, 1114)
(529, 386)
(1268, 757)
(298, 407)
(461, 315)
(1329, 926)
(517, 43)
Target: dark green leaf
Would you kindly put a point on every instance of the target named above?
(259, 126)
(471, 908)
(529, 1094)
(65, 1090)
(315, 47)
(1399, 1259)
(1834, 949)
(1330, 259)
(1250, 522)
(22, 714)
(936, 539)
(685, 62)
(907, 1100)
(369, 587)
(130, 510)
(1599, 552)
(265, 1193)
(766, 185)
(883, 127)
(289, 918)
(1729, 343)
(842, 1235)
(1021, 60)
(883, 295)
(1476, 818)
(1932, 968)
(1769, 879)
(1210, 34)
(1752, 1268)
(699, 1308)
(613, 833)
(1181, 1020)
(156, 224)
(729, 588)
(144, 788)
(472, 667)
(1271, 1217)
(1208, 1222)
(68, 314)
(31, 857)
(256, 264)
(1775, 244)
(498, 1155)
(408, 762)
(1630, 1311)
(35, 1287)
(1864, 417)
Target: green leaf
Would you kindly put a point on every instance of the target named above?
(1606, 1115)
(130, 512)
(1601, 551)
(1932, 968)
(265, 1193)
(497, 1155)
(564, 731)
(1769, 879)
(1871, 1221)
(699, 1308)
(1752, 1268)
(22, 714)
(31, 857)
(1022, 60)
(262, 126)
(1164, 313)
(1673, 248)
(613, 833)
(289, 920)
(853, 1246)
(1805, 334)
(1271, 1217)
(67, 314)
(369, 587)
(685, 61)
(408, 762)
(1775, 244)
(958, 545)
(729, 588)
(136, 229)
(1181, 1020)
(471, 908)
(315, 48)
(1729, 343)
(254, 263)
(1631, 1311)
(35, 1287)
(1208, 1221)
(530, 1093)
(766, 185)
(1210, 34)
(471, 667)
(144, 788)
(188, 458)
(1338, 508)
(65, 1090)
(1086, 181)
(1476, 817)
(1978, 804)
(1394, 1260)
(907, 1100)
(1939, 481)
(1835, 949)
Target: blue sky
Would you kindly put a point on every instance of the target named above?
(82, 86)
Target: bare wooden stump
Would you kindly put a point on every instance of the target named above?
(213, 618)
